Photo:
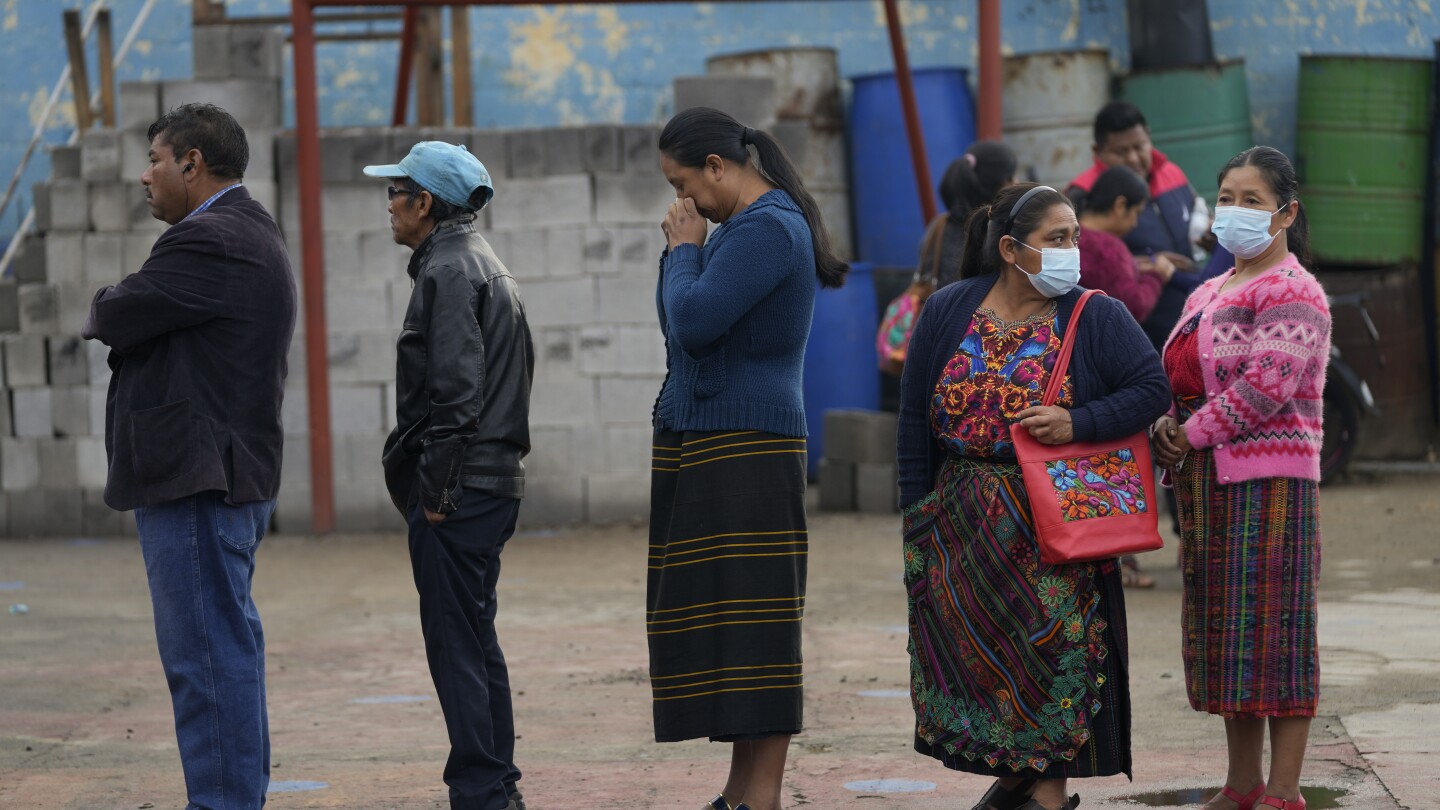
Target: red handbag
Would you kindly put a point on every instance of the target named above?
(1091, 500)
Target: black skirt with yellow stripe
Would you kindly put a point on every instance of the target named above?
(727, 584)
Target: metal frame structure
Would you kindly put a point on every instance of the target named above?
(307, 153)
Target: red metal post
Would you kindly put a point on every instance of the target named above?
(991, 123)
(407, 61)
(317, 359)
(918, 158)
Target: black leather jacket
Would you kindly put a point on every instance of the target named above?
(463, 370)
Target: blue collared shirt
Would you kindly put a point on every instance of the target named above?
(211, 201)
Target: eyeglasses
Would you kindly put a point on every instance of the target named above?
(391, 192)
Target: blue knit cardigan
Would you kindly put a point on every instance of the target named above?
(736, 316)
(1120, 386)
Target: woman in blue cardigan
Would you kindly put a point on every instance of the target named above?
(1018, 668)
(726, 587)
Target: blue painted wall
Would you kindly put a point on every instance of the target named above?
(540, 66)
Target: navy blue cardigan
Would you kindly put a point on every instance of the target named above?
(1120, 386)
(736, 316)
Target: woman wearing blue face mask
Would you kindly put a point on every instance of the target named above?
(1018, 668)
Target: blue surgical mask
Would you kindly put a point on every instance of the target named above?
(1059, 270)
(1244, 232)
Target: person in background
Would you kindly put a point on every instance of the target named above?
(1247, 367)
(1109, 212)
(453, 463)
(970, 181)
(198, 341)
(1018, 668)
(728, 538)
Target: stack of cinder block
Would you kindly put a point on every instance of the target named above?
(858, 470)
(576, 219)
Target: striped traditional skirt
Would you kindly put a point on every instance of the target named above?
(1250, 553)
(726, 589)
(1018, 668)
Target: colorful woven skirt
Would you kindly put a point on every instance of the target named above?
(1017, 668)
(726, 589)
(1250, 553)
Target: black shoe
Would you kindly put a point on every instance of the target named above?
(998, 798)
(1073, 803)
(719, 803)
(517, 801)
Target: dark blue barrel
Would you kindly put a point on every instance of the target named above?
(888, 222)
(841, 369)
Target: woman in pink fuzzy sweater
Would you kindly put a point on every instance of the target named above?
(1247, 367)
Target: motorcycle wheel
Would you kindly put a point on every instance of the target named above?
(1341, 431)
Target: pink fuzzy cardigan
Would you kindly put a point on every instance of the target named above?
(1264, 347)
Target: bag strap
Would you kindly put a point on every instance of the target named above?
(935, 240)
(1067, 348)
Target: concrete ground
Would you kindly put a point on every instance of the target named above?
(85, 718)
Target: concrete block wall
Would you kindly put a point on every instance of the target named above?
(576, 220)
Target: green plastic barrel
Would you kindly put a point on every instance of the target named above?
(1199, 116)
(1361, 155)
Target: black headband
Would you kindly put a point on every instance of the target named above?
(1020, 203)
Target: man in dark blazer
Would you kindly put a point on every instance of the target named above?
(198, 339)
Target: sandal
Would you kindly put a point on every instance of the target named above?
(719, 803)
(1070, 804)
(1283, 804)
(1248, 800)
(1132, 577)
(998, 798)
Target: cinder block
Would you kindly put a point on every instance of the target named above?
(253, 102)
(134, 157)
(749, 99)
(640, 250)
(600, 251)
(293, 510)
(642, 351)
(337, 156)
(381, 259)
(632, 199)
(565, 199)
(70, 410)
(100, 155)
(362, 357)
(603, 148)
(564, 252)
(630, 447)
(19, 464)
(25, 361)
(45, 513)
(387, 403)
(355, 408)
(262, 157)
(568, 302)
(357, 455)
(69, 360)
(525, 254)
(139, 105)
(557, 353)
(61, 205)
(31, 412)
(9, 306)
(64, 257)
(354, 207)
(72, 307)
(39, 310)
(565, 150)
(357, 506)
(257, 52)
(28, 267)
(7, 427)
(641, 147)
(104, 259)
(210, 49)
(837, 486)
(490, 147)
(357, 308)
(91, 463)
(97, 519)
(137, 252)
(876, 488)
(617, 497)
(58, 462)
(556, 400)
(551, 451)
(627, 299)
(627, 399)
(859, 436)
(552, 500)
(98, 401)
(112, 204)
(525, 152)
(65, 163)
(599, 350)
(267, 194)
(98, 355)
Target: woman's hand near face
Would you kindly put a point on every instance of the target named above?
(683, 224)
(1047, 424)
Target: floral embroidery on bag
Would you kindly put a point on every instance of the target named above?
(1098, 486)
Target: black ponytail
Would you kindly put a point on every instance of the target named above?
(973, 179)
(696, 133)
(1280, 174)
(990, 223)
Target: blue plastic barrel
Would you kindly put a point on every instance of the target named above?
(887, 217)
(841, 369)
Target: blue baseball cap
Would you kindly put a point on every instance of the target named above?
(448, 171)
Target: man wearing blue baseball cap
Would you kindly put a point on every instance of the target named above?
(453, 462)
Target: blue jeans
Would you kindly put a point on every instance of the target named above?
(456, 563)
(200, 558)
